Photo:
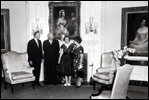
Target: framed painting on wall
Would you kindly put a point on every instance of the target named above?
(5, 31)
(64, 19)
(135, 30)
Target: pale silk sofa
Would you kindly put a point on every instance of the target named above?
(16, 69)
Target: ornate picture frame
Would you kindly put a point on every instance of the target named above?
(70, 24)
(131, 21)
(5, 31)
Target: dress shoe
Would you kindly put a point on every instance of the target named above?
(78, 86)
(46, 83)
(68, 84)
(38, 84)
(65, 84)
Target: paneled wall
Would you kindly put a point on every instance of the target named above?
(113, 22)
(18, 24)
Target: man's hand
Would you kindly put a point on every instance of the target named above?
(30, 62)
(59, 61)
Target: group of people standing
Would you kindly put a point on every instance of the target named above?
(71, 60)
(65, 58)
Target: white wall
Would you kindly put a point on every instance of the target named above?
(113, 22)
(91, 42)
(38, 9)
(18, 24)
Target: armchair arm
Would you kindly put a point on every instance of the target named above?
(103, 70)
(6, 71)
(27, 68)
(7, 74)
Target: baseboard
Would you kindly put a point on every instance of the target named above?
(138, 83)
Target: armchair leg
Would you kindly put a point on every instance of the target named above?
(99, 91)
(11, 88)
(5, 85)
(127, 97)
(33, 85)
(94, 85)
(108, 87)
(90, 97)
(22, 84)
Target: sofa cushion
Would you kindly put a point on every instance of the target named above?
(21, 75)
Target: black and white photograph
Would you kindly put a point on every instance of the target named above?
(74, 49)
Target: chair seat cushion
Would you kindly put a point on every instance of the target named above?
(103, 76)
(21, 75)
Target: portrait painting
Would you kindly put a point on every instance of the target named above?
(5, 30)
(135, 30)
(64, 19)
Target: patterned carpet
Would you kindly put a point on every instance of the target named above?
(61, 92)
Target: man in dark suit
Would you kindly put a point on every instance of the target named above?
(35, 56)
(51, 56)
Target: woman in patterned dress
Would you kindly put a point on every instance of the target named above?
(78, 61)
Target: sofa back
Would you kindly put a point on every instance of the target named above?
(106, 59)
(14, 62)
(121, 82)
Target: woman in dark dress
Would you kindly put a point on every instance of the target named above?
(65, 61)
(78, 61)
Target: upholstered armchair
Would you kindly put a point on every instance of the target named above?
(120, 87)
(106, 72)
(16, 69)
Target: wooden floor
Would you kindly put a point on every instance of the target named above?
(61, 92)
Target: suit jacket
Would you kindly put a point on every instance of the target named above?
(51, 51)
(34, 52)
